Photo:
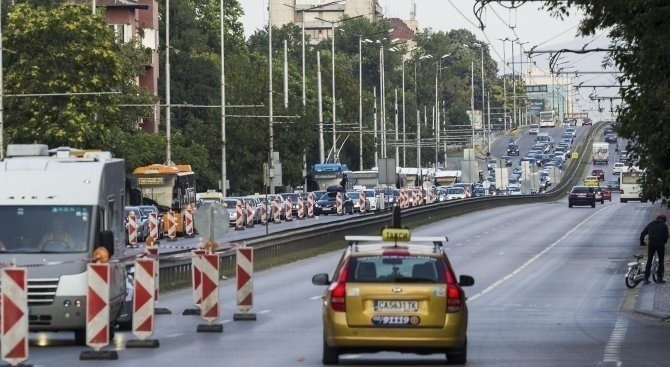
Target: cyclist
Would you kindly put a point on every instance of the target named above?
(658, 236)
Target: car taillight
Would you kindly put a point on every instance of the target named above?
(453, 298)
(338, 292)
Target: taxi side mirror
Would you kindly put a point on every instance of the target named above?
(320, 279)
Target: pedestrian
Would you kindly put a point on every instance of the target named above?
(657, 232)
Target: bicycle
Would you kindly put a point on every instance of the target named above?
(635, 273)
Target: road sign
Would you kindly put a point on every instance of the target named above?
(211, 221)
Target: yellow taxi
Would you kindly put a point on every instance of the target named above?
(397, 293)
(591, 181)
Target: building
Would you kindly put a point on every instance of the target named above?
(547, 92)
(130, 19)
(320, 15)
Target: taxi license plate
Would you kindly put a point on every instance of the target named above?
(395, 320)
(396, 306)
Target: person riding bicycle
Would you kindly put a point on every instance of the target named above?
(658, 236)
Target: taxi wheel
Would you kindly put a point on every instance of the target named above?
(331, 355)
(458, 356)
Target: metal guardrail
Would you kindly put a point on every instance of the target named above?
(178, 270)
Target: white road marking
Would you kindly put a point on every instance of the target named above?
(314, 298)
(265, 311)
(532, 259)
(613, 348)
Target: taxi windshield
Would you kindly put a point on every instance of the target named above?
(397, 269)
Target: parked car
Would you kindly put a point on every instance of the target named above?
(142, 221)
(327, 204)
(356, 197)
(146, 210)
(582, 195)
(513, 149)
(598, 173)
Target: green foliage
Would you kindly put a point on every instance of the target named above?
(73, 55)
(639, 31)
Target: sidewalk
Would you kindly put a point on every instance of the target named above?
(654, 299)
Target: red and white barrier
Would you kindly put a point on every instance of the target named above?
(172, 226)
(245, 285)
(14, 315)
(132, 229)
(153, 226)
(338, 203)
(361, 202)
(196, 276)
(310, 205)
(152, 251)
(239, 221)
(467, 193)
(301, 208)
(415, 197)
(276, 212)
(250, 215)
(188, 221)
(403, 199)
(288, 210)
(209, 307)
(431, 195)
(143, 298)
(97, 306)
(420, 196)
(264, 212)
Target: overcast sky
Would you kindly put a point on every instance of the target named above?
(529, 24)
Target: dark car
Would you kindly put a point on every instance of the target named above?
(582, 195)
(587, 122)
(507, 159)
(327, 204)
(598, 173)
(146, 210)
(611, 138)
(512, 149)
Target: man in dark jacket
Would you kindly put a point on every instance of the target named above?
(658, 236)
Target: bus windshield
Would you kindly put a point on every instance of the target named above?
(45, 229)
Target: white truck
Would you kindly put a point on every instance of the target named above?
(80, 193)
(600, 153)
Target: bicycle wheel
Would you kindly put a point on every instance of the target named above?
(630, 277)
(654, 269)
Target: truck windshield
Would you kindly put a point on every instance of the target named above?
(44, 229)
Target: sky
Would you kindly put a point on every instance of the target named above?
(533, 27)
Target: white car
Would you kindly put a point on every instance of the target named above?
(534, 129)
(455, 193)
(372, 199)
(618, 168)
(571, 130)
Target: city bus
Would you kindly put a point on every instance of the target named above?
(630, 187)
(327, 174)
(168, 187)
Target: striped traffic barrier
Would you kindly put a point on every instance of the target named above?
(467, 193)
(264, 212)
(172, 226)
(244, 275)
(361, 202)
(403, 199)
(276, 212)
(196, 278)
(239, 219)
(310, 205)
(250, 215)
(338, 203)
(288, 210)
(152, 252)
(420, 196)
(188, 222)
(97, 313)
(144, 290)
(209, 307)
(301, 208)
(132, 229)
(153, 227)
(431, 195)
(14, 315)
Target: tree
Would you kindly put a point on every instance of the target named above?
(76, 75)
(639, 30)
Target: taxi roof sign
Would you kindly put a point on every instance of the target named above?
(396, 234)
